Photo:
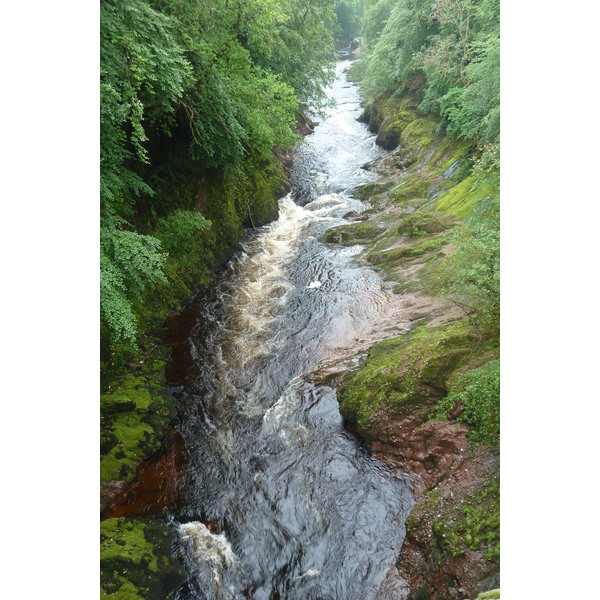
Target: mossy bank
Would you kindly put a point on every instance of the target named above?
(411, 397)
(136, 406)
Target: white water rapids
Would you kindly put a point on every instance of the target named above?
(301, 510)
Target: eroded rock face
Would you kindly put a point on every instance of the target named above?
(435, 453)
(427, 450)
(388, 137)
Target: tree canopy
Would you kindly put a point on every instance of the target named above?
(224, 78)
(446, 51)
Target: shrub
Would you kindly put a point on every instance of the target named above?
(478, 392)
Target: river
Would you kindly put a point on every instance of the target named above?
(283, 501)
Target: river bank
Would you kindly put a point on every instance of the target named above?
(451, 550)
(140, 451)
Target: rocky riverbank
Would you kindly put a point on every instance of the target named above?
(391, 399)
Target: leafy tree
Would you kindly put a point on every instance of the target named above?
(448, 51)
(223, 80)
(129, 264)
(390, 60)
(142, 75)
(349, 14)
(473, 111)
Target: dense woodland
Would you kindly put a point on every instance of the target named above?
(199, 99)
(447, 54)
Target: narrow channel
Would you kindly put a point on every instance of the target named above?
(284, 502)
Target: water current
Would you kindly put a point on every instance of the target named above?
(284, 502)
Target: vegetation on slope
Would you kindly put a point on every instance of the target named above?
(196, 101)
(199, 101)
(430, 72)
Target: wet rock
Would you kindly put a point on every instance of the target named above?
(388, 137)
(451, 170)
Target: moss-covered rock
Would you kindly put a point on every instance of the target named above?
(407, 374)
(411, 186)
(388, 258)
(368, 190)
(354, 233)
(459, 200)
(133, 417)
(421, 224)
(136, 560)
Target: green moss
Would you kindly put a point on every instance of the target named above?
(406, 374)
(460, 199)
(266, 183)
(135, 560)
(473, 525)
(449, 151)
(367, 191)
(131, 390)
(491, 595)
(133, 417)
(123, 540)
(132, 438)
(421, 224)
(418, 136)
(354, 233)
(394, 255)
(411, 186)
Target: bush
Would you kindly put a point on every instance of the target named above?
(472, 275)
(478, 392)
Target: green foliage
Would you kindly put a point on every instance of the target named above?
(177, 230)
(475, 526)
(446, 50)
(142, 76)
(349, 14)
(207, 90)
(478, 392)
(129, 264)
(395, 40)
(473, 111)
(472, 274)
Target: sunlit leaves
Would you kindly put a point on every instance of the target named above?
(223, 76)
(129, 263)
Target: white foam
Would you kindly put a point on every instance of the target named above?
(206, 548)
(279, 412)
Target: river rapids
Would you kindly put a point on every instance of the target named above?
(284, 502)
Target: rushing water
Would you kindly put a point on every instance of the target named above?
(295, 506)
